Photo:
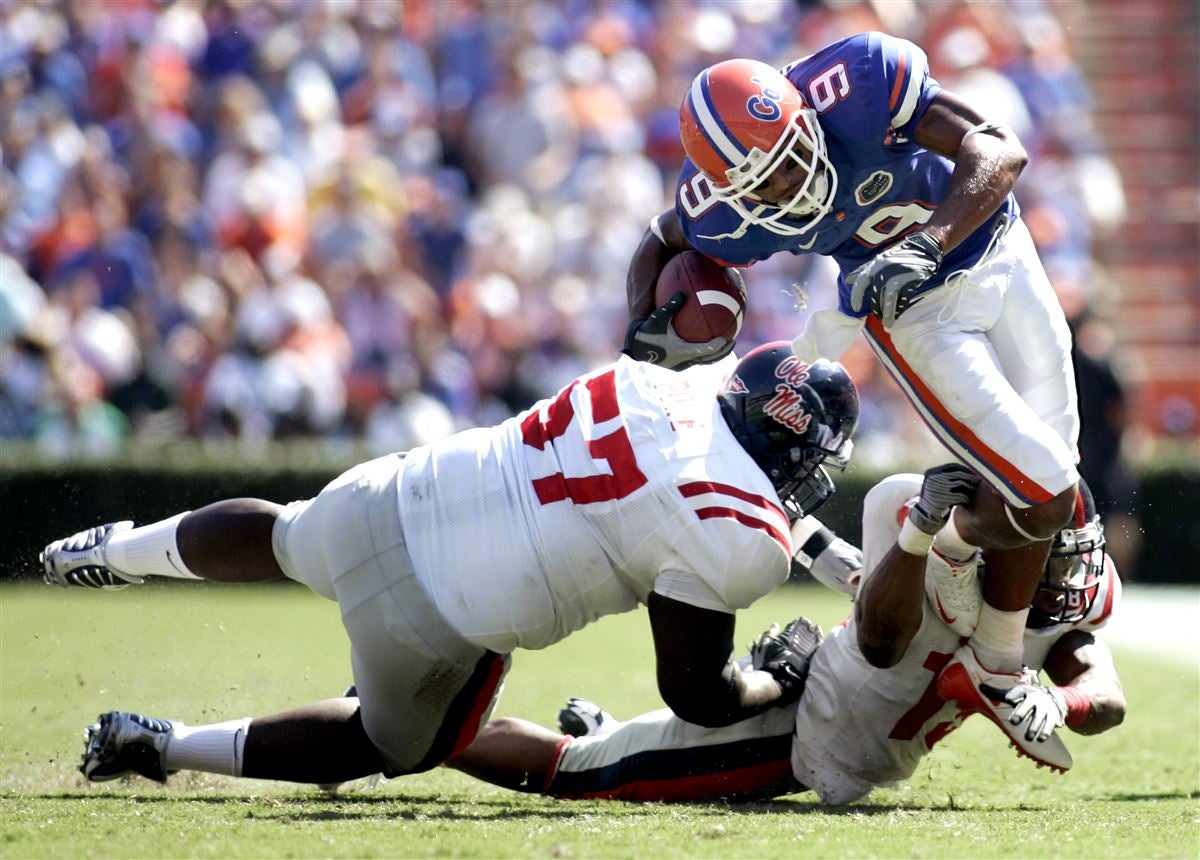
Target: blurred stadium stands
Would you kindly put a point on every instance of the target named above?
(385, 222)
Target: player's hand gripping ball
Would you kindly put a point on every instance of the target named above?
(701, 308)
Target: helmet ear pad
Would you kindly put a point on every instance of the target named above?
(793, 419)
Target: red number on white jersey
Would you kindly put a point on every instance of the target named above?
(927, 706)
(612, 449)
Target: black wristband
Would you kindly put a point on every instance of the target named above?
(924, 240)
(818, 542)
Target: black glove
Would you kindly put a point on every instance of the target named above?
(654, 340)
(786, 655)
(886, 285)
(944, 487)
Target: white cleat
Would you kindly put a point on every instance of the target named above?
(960, 682)
(80, 560)
(954, 590)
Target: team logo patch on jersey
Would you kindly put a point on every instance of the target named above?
(875, 185)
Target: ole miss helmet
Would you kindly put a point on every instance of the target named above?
(742, 120)
(793, 419)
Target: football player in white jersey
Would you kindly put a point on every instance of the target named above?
(874, 700)
(635, 484)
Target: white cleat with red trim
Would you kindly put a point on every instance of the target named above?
(960, 682)
(954, 591)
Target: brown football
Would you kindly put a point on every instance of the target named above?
(714, 297)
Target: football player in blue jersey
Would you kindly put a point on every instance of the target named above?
(857, 153)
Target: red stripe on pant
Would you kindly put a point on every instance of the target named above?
(766, 779)
(461, 723)
(946, 425)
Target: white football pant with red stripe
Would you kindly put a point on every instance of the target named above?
(986, 360)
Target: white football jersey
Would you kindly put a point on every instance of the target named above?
(625, 482)
(858, 726)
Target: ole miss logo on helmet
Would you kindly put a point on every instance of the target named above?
(787, 406)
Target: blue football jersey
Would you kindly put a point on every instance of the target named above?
(869, 91)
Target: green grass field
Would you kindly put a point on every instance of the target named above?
(201, 653)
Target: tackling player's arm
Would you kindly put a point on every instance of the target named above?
(891, 601)
(1082, 667)
(824, 556)
(889, 607)
(697, 676)
(987, 158)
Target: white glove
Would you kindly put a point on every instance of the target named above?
(942, 488)
(1044, 708)
(825, 557)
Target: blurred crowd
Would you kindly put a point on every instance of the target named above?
(384, 221)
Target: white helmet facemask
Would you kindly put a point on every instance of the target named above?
(812, 200)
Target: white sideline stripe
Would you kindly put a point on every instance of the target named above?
(1159, 621)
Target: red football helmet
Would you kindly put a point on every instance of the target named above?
(742, 120)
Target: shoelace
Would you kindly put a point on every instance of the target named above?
(957, 584)
(957, 281)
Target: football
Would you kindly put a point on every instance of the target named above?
(714, 297)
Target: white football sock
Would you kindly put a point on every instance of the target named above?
(148, 550)
(999, 639)
(951, 545)
(214, 748)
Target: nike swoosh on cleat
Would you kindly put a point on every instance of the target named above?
(948, 618)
